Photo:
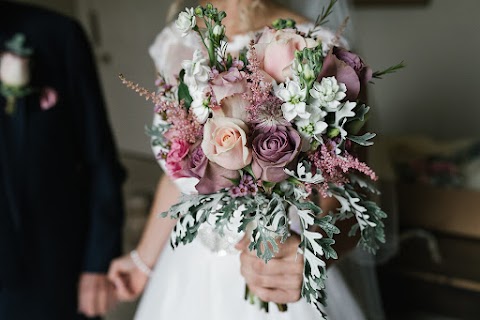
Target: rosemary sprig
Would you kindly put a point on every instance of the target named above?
(392, 69)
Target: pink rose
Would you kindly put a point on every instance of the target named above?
(229, 88)
(225, 142)
(276, 51)
(177, 168)
(229, 83)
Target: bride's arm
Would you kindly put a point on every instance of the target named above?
(127, 277)
(157, 229)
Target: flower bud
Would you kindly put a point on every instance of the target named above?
(218, 30)
(333, 132)
(308, 72)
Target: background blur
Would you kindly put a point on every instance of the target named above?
(426, 116)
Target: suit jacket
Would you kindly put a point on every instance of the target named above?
(61, 209)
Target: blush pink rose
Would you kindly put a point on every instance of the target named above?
(175, 164)
(228, 83)
(276, 51)
(225, 142)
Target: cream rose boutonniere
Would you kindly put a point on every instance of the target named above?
(15, 71)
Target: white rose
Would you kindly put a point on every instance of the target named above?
(14, 71)
(186, 21)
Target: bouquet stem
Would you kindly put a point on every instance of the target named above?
(253, 299)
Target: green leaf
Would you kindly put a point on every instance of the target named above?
(363, 140)
(183, 92)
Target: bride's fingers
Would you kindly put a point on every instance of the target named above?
(251, 264)
(282, 282)
(276, 296)
(243, 244)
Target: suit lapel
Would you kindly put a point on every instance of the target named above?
(13, 158)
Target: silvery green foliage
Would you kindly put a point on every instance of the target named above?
(367, 213)
(265, 217)
(157, 133)
(316, 248)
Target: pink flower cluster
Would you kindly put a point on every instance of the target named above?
(335, 168)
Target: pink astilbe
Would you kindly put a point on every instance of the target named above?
(260, 90)
(156, 98)
(184, 123)
(335, 167)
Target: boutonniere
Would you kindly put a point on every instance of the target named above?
(15, 71)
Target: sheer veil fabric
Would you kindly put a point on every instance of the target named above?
(352, 285)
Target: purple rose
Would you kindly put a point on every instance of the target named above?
(273, 152)
(363, 71)
(347, 68)
(212, 177)
(197, 162)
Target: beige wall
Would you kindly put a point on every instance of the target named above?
(436, 93)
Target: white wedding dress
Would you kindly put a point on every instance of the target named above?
(193, 282)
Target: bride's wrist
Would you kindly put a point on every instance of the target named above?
(140, 263)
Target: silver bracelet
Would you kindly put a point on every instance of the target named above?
(139, 263)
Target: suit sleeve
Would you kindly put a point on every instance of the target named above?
(105, 173)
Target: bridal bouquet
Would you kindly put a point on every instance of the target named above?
(258, 133)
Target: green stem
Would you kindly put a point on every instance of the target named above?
(263, 305)
(10, 107)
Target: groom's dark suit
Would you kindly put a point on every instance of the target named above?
(60, 181)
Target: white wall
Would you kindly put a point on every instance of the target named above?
(440, 43)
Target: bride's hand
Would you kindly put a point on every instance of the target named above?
(280, 280)
(128, 279)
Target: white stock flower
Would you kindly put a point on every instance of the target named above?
(328, 93)
(186, 21)
(344, 111)
(197, 72)
(294, 100)
(314, 126)
(199, 106)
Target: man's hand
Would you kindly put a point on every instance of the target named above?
(280, 280)
(129, 281)
(95, 294)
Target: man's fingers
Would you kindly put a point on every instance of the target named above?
(102, 298)
(87, 300)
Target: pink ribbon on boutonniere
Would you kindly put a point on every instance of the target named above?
(48, 98)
